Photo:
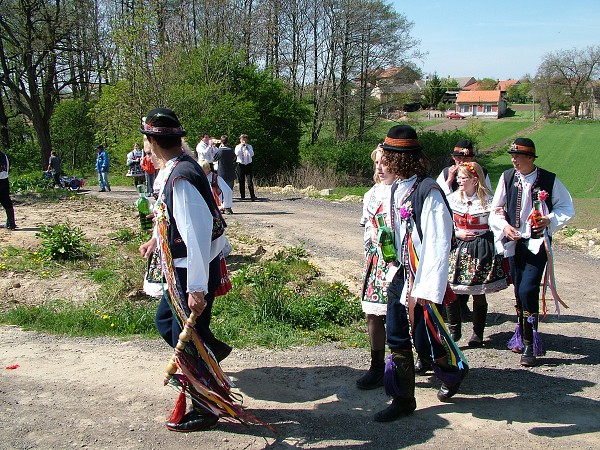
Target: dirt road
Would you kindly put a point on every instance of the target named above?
(108, 394)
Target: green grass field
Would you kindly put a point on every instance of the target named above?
(569, 150)
(499, 131)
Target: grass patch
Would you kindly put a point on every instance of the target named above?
(499, 131)
(91, 319)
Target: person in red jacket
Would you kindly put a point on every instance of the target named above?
(149, 170)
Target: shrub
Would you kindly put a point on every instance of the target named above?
(62, 242)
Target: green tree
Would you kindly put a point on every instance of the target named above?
(487, 84)
(433, 92)
(72, 137)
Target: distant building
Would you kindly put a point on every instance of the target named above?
(481, 103)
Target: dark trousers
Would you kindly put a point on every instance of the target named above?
(7, 203)
(245, 174)
(526, 270)
(398, 326)
(166, 323)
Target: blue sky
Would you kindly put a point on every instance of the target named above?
(505, 39)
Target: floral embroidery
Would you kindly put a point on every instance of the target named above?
(542, 195)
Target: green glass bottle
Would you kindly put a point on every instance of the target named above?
(143, 207)
(385, 237)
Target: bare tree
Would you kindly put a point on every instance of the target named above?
(33, 42)
(571, 71)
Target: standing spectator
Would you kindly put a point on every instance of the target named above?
(518, 236)
(462, 153)
(423, 230)
(5, 199)
(134, 165)
(376, 203)
(102, 166)
(475, 268)
(195, 237)
(206, 149)
(221, 192)
(226, 159)
(244, 153)
(54, 168)
(149, 169)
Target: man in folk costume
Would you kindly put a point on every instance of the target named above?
(462, 153)
(194, 237)
(423, 228)
(524, 235)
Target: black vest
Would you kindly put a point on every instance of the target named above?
(446, 171)
(188, 169)
(544, 182)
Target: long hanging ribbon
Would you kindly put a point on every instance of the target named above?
(212, 387)
(550, 281)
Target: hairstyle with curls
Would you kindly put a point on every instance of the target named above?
(482, 191)
(406, 164)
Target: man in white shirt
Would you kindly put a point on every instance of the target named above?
(517, 236)
(244, 153)
(206, 149)
(195, 237)
(422, 224)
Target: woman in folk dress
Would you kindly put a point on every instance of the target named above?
(475, 268)
(377, 202)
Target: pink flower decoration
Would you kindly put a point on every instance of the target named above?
(406, 211)
(542, 196)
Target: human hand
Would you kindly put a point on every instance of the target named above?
(196, 302)
(540, 224)
(148, 248)
(511, 233)
(465, 235)
(423, 302)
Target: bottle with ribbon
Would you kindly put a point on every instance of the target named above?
(536, 214)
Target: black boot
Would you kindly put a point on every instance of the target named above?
(404, 404)
(448, 389)
(10, 218)
(479, 316)
(465, 313)
(374, 376)
(454, 320)
(528, 356)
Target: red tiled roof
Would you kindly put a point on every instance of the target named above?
(471, 87)
(478, 97)
(505, 84)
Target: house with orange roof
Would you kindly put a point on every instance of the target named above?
(503, 85)
(481, 104)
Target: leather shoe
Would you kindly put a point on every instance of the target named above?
(194, 421)
(475, 341)
(447, 392)
(422, 367)
(399, 407)
(528, 358)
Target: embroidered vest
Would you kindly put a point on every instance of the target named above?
(545, 181)
(188, 169)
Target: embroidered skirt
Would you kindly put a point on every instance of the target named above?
(374, 292)
(475, 268)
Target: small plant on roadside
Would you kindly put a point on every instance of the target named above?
(570, 231)
(62, 242)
